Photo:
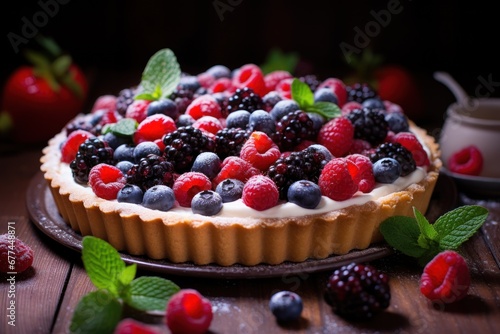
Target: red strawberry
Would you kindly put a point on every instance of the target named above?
(337, 136)
(446, 278)
(39, 100)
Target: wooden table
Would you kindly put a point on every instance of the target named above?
(47, 294)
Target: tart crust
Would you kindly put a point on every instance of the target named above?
(180, 237)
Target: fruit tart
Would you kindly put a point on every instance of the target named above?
(234, 166)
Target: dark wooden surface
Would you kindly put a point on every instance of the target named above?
(47, 294)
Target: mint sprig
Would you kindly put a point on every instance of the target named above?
(160, 76)
(418, 238)
(100, 311)
(303, 95)
(125, 127)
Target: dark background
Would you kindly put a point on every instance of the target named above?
(112, 40)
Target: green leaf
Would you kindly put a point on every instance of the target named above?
(128, 274)
(102, 263)
(402, 233)
(425, 227)
(97, 312)
(458, 225)
(146, 96)
(161, 75)
(302, 93)
(124, 127)
(277, 60)
(61, 65)
(148, 293)
(326, 109)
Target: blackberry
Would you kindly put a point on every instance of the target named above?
(246, 99)
(311, 80)
(91, 152)
(229, 141)
(292, 129)
(124, 99)
(151, 171)
(182, 98)
(183, 145)
(83, 123)
(299, 165)
(358, 292)
(397, 152)
(369, 125)
(359, 92)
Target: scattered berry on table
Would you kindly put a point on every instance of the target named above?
(130, 193)
(286, 306)
(144, 149)
(91, 152)
(358, 291)
(369, 124)
(337, 136)
(229, 141)
(304, 193)
(12, 246)
(230, 190)
(188, 311)
(106, 180)
(292, 129)
(207, 203)
(260, 150)
(468, 161)
(131, 326)
(159, 198)
(154, 127)
(386, 170)
(70, 147)
(244, 99)
(187, 185)
(336, 181)
(150, 171)
(398, 152)
(446, 278)
(260, 193)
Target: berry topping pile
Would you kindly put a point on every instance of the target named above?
(227, 135)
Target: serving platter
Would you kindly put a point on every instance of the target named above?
(44, 215)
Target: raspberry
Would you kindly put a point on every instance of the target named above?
(188, 312)
(204, 105)
(260, 193)
(364, 175)
(104, 102)
(106, 181)
(260, 151)
(220, 85)
(336, 181)
(350, 106)
(468, 161)
(138, 110)
(108, 117)
(209, 124)
(337, 136)
(189, 184)
(273, 79)
(154, 127)
(284, 88)
(250, 75)
(131, 326)
(205, 79)
(411, 143)
(358, 292)
(235, 168)
(360, 146)
(70, 146)
(445, 278)
(338, 87)
(12, 246)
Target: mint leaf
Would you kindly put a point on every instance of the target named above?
(124, 127)
(150, 293)
(97, 312)
(128, 274)
(160, 76)
(302, 93)
(326, 109)
(102, 263)
(425, 227)
(402, 233)
(458, 225)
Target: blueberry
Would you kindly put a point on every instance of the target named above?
(184, 120)
(219, 71)
(207, 163)
(318, 120)
(386, 170)
(261, 120)
(114, 141)
(130, 193)
(397, 122)
(124, 166)
(124, 152)
(230, 190)
(145, 148)
(286, 306)
(325, 94)
(207, 203)
(305, 194)
(271, 98)
(238, 119)
(373, 103)
(322, 149)
(189, 82)
(282, 108)
(165, 107)
(159, 197)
